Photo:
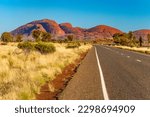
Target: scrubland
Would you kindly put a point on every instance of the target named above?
(136, 49)
(22, 73)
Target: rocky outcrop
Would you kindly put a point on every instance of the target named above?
(68, 28)
(43, 25)
(64, 29)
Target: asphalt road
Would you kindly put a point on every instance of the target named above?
(110, 73)
(86, 84)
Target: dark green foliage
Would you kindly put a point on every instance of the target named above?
(60, 41)
(148, 38)
(26, 46)
(40, 46)
(73, 45)
(41, 36)
(45, 47)
(19, 38)
(36, 35)
(130, 35)
(7, 37)
(121, 39)
(126, 39)
(46, 37)
(140, 41)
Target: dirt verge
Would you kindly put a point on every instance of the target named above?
(52, 90)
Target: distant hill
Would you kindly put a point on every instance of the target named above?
(143, 33)
(102, 32)
(46, 25)
(64, 29)
(43, 25)
(69, 29)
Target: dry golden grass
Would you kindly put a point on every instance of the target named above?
(140, 49)
(22, 74)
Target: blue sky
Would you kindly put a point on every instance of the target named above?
(123, 14)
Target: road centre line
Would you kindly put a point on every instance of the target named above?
(105, 94)
(128, 56)
(138, 60)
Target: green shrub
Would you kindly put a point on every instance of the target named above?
(7, 37)
(19, 38)
(45, 47)
(40, 46)
(26, 46)
(73, 45)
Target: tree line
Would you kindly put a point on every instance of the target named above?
(128, 39)
(37, 35)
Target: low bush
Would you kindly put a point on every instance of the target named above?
(73, 45)
(26, 46)
(40, 46)
(45, 47)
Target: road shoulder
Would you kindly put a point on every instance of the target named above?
(85, 84)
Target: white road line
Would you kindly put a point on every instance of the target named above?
(128, 56)
(138, 60)
(107, 48)
(105, 94)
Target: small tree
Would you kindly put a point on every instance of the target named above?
(121, 39)
(135, 43)
(70, 37)
(116, 38)
(19, 38)
(130, 35)
(46, 36)
(148, 38)
(7, 37)
(140, 41)
(36, 34)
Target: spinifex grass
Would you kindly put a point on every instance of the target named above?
(23, 73)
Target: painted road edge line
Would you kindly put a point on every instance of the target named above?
(105, 94)
(138, 60)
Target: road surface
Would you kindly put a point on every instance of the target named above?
(111, 74)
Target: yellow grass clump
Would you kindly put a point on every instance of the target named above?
(23, 73)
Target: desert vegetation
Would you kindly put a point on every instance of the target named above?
(22, 72)
(130, 42)
(128, 39)
(40, 46)
(7, 37)
(26, 65)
